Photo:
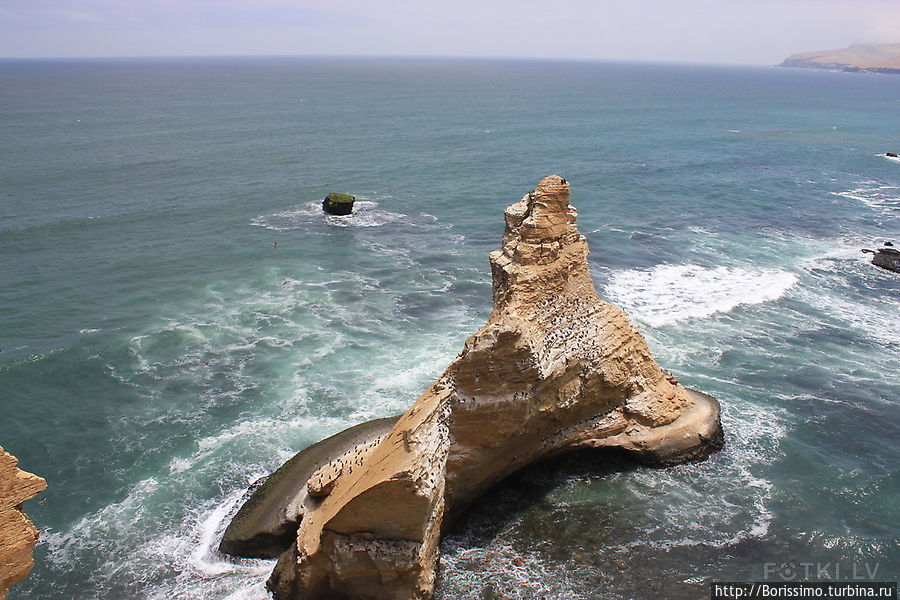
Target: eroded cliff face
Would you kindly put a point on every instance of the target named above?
(17, 534)
(555, 368)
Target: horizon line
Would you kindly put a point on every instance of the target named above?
(393, 56)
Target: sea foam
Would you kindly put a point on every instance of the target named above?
(668, 294)
(875, 194)
(366, 213)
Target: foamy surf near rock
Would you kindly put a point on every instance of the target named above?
(366, 213)
(668, 294)
(554, 369)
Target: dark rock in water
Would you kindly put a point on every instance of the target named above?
(886, 258)
(891, 154)
(266, 524)
(338, 204)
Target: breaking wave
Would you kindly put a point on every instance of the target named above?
(668, 294)
(875, 194)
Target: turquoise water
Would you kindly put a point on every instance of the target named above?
(158, 352)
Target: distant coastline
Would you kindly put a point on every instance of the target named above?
(855, 59)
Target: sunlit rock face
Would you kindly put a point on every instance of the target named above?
(17, 534)
(554, 369)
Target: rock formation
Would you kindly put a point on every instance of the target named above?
(886, 258)
(17, 534)
(554, 369)
(266, 524)
(338, 204)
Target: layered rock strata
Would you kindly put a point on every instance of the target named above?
(554, 369)
(17, 534)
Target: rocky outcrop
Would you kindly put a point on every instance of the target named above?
(554, 369)
(338, 204)
(17, 534)
(886, 258)
(867, 59)
(266, 524)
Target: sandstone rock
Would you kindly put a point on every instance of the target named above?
(17, 534)
(266, 524)
(554, 369)
(338, 204)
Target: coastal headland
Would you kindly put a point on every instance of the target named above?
(883, 58)
(555, 369)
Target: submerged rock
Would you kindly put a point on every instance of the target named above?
(17, 534)
(554, 369)
(338, 204)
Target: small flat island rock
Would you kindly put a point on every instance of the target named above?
(338, 204)
(555, 369)
(883, 58)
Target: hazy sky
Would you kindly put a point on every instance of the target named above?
(725, 31)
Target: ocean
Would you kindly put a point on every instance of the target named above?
(178, 317)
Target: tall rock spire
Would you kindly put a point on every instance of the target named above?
(554, 369)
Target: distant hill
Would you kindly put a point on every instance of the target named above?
(869, 59)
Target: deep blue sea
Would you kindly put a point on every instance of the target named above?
(159, 351)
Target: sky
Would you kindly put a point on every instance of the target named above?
(705, 31)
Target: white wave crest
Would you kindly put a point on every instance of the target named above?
(174, 560)
(875, 320)
(667, 294)
(875, 194)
